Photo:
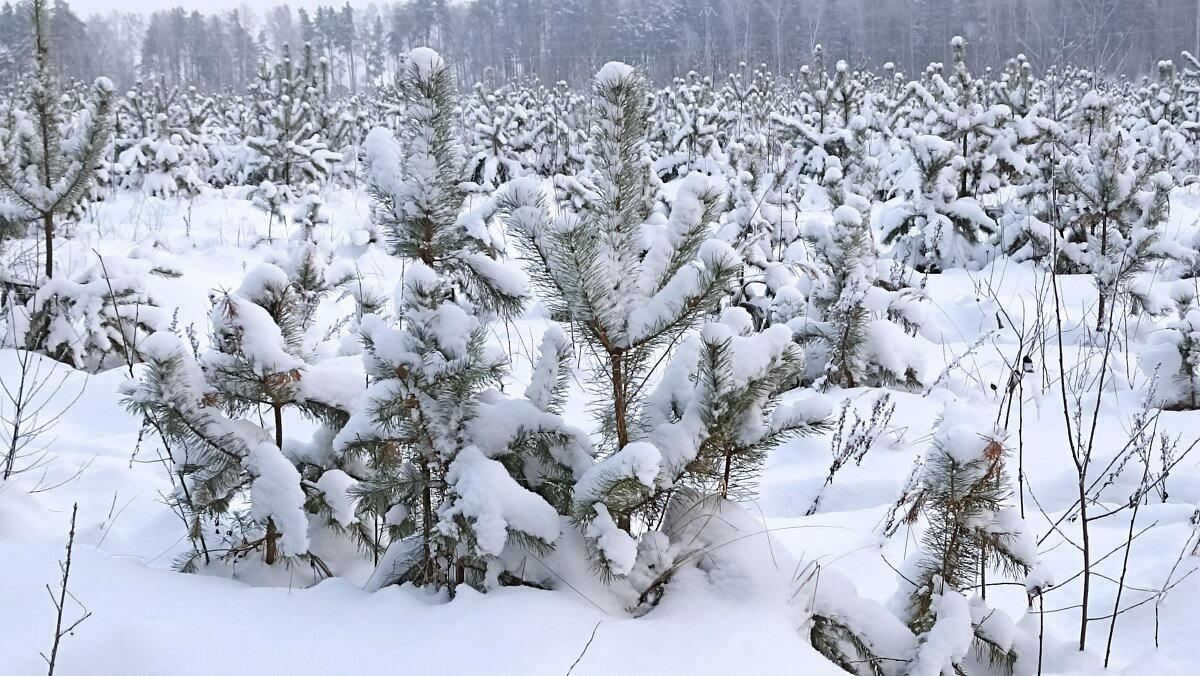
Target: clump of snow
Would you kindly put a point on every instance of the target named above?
(637, 460)
(426, 62)
(336, 485)
(276, 494)
(548, 369)
(249, 329)
(487, 495)
(949, 641)
(617, 547)
(613, 73)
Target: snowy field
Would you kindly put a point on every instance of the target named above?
(719, 619)
(831, 372)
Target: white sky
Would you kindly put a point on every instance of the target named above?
(88, 7)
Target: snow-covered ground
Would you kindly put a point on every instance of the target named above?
(148, 620)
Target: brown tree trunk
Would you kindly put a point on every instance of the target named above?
(620, 416)
(1102, 305)
(48, 229)
(619, 403)
(271, 545)
(426, 523)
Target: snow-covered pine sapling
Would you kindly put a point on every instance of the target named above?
(739, 375)
(629, 282)
(847, 250)
(44, 170)
(688, 130)
(269, 198)
(1117, 199)
(309, 277)
(308, 214)
(761, 227)
(464, 477)
(841, 331)
(416, 182)
(828, 126)
(1173, 355)
(257, 363)
(932, 227)
(157, 150)
(96, 319)
(709, 426)
(495, 130)
(970, 530)
(220, 417)
(983, 132)
(291, 150)
(205, 448)
(307, 263)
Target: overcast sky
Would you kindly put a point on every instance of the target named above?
(86, 7)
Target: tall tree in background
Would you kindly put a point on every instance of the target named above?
(14, 43)
(69, 36)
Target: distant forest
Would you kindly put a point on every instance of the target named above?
(568, 39)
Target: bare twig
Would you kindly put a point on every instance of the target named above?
(60, 601)
(585, 647)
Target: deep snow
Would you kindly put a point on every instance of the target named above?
(147, 620)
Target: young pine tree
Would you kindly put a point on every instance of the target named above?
(629, 282)
(221, 418)
(709, 425)
(285, 132)
(840, 324)
(933, 226)
(632, 284)
(495, 128)
(1173, 354)
(156, 149)
(1116, 200)
(467, 479)
(44, 170)
(969, 532)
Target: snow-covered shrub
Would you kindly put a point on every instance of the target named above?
(93, 321)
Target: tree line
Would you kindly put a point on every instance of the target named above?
(569, 39)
